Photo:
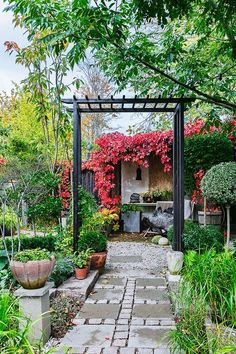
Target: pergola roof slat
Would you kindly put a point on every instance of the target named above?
(129, 105)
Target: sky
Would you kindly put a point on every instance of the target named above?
(11, 72)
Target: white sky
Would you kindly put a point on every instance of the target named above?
(11, 72)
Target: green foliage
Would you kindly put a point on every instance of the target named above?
(47, 242)
(203, 152)
(9, 218)
(64, 241)
(13, 339)
(92, 239)
(7, 280)
(36, 254)
(214, 274)
(87, 204)
(219, 183)
(3, 259)
(130, 207)
(190, 334)
(62, 270)
(44, 206)
(81, 259)
(199, 238)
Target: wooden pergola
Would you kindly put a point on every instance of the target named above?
(133, 105)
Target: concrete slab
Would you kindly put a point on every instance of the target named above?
(103, 311)
(148, 337)
(107, 294)
(152, 294)
(73, 286)
(152, 311)
(151, 282)
(126, 259)
(89, 336)
(112, 281)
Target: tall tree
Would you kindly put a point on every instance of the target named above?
(189, 46)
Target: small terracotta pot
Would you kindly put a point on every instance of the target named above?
(32, 274)
(81, 273)
(98, 260)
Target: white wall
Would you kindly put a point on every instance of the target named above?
(129, 184)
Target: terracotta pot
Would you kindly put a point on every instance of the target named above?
(32, 274)
(98, 260)
(81, 273)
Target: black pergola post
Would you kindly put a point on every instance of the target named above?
(133, 105)
(178, 177)
(77, 177)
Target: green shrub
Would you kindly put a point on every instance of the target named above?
(203, 152)
(199, 238)
(87, 204)
(92, 239)
(47, 242)
(32, 255)
(219, 183)
(62, 270)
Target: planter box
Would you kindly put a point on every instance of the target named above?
(132, 221)
(212, 218)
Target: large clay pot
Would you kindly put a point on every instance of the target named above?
(175, 261)
(81, 273)
(32, 274)
(98, 260)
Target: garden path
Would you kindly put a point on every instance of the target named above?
(129, 311)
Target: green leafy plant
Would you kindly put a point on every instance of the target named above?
(191, 311)
(130, 207)
(214, 274)
(92, 239)
(13, 339)
(156, 239)
(81, 259)
(199, 238)
(9, 218)
(87, 204)
(32, 255)
(62, 270)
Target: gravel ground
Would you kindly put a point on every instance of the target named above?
(151, 258)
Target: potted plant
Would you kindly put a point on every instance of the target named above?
(156, 195)
(81, 262)
(32, 268)
(147, 197)
(219, 186)
(131, 216)
(98, 242)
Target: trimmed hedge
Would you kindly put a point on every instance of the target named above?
(47, 242)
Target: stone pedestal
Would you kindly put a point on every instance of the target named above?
(35, 306)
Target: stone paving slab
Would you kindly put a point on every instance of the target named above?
(107, 294)
(148, 337)
(151, 282)
(112, 281)
(102, 311)
(152, 294)
(88, 335)
(152, 311)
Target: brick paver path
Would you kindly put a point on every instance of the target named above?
(129, 312)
